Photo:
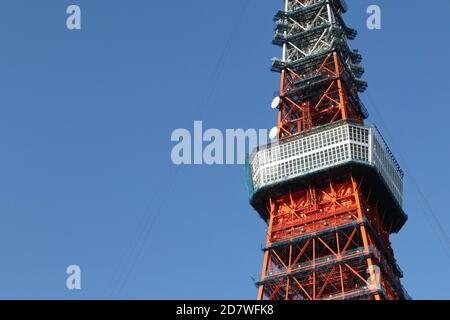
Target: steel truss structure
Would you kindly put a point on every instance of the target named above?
(329, 189)
(320, 74)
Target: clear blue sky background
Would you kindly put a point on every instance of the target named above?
(85, 124)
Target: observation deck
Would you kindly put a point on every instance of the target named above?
(330, 150)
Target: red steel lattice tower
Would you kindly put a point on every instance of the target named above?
(328, 187)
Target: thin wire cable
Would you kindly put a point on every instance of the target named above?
(147, 230)
(134, 243)
(138, 243)
(221, 61)
(435, 223)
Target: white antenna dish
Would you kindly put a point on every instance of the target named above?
(276, 102)
(273, 134)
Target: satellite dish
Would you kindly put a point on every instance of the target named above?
(276, 102)
(273, 133)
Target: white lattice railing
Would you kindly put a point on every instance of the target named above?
(325, 149)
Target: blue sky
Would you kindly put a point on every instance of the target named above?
(85, 123)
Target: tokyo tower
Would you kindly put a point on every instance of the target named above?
(328, 186)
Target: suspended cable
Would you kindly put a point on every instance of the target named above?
(141, 235)
(435, 223)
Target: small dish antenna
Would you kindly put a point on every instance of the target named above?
(273, 134)
(276, 102)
